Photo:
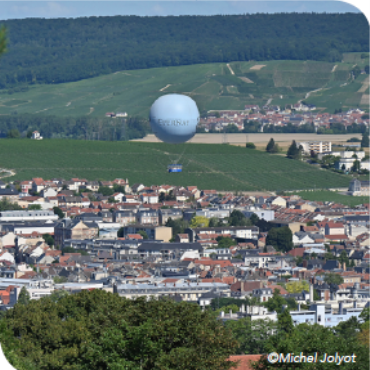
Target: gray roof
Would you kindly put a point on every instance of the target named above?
(161, 246)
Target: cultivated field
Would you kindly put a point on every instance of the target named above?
(215, 86)
(282, 139)
(221, 167)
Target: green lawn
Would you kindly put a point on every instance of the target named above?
(212, 86)
(209, 166)
(332, 196)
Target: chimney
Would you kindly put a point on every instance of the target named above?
(311, 293)
(340, 308)
(344, 266)
(231, 313)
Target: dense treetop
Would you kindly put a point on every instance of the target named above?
(99, 330)
(64, 50)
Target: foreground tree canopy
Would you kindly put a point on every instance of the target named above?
(100, 330)
(309, 339)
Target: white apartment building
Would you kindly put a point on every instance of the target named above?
(316, 146)
(39, 215)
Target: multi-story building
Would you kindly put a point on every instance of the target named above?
(74, 229)
(124, 217)
(148, 217)
(165, 214)
(316, 146)
(189, 292)
(154, 232)
(38, 215)
(241, 232)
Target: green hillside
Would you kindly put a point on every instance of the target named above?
(212, 86)
(208, 166)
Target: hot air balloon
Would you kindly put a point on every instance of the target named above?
(174, 118)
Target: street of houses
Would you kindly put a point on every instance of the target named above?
(296, 115)
(69, 235)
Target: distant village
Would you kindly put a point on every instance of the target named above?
(297, 115)
(186, 243)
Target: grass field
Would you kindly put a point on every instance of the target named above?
(331, 196)
(212, 86)
(221, 167)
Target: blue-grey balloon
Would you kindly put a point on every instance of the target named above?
(174, 118)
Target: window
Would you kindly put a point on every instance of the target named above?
(319, 318)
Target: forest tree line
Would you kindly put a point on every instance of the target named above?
(87, 128)
(64, 50)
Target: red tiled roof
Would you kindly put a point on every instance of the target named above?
(337, 237)
(169, 281)
(222, 263)
(334, 224)
(244, 361)
(280, 288)
(297, 252)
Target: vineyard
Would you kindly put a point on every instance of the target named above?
(221, 167)
(212, 86)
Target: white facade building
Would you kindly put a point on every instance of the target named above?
(36, 136)
(316, 146)
(38, 215)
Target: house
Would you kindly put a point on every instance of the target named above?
(279, 201)
(334, 228)
(107, 184)
(74, 229)
(26, 186)
(182, 238)
(37, 184)
(147, 217)
(167, 251)
(48, 192)
(301, 237)
(263, 294)
(137, 188)
(253, 258)
(242, 232)
(118, 197)
(154, 232)
(124, 217)
(10, 194)
(149, 198)
(165, 214)
(36, 136)
(90, 185)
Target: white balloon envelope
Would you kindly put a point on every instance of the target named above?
(174, 118)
